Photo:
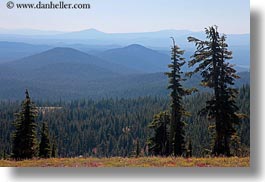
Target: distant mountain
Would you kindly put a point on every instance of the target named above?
(84, 34)
(16, 50)
(55, 68)
(58, 61)
(94, 42)
(96, 34)
(144, 38)
(67, 73)
(138, 58)
(147, 39)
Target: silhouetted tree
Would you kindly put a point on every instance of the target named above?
(159, 142)
(217, 74)
(177, 132)
(24, 138)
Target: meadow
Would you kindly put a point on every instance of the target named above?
(152, 162)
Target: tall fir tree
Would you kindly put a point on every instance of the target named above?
(177, 132)
(45, 146)
(25, 136)
(210, 60)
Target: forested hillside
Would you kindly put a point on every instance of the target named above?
(69, 74)
(112, 127)
(49, 87)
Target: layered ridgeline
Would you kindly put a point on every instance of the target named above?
(67, 73)
(94, 41)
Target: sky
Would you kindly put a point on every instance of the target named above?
(120, 16)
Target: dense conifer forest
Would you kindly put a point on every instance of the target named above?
(112, 127)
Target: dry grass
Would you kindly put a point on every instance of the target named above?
(130, 162)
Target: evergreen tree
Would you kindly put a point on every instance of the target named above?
(125, 143)
(217, 74)
(45, 146)
(159, 143)
(54, 151)
(176, 133)
(24, 138)
(138, 148)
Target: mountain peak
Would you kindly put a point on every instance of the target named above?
(62, 49)
(92, 30)
(135, 46)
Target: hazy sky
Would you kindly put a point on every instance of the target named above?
(232, 16)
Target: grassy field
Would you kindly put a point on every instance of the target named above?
(130, 162)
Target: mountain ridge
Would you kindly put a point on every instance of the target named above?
(137, 57)
(67, 79)
(64, 55)
(93, 36)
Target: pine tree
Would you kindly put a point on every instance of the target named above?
(217, 74)
(25, 137)
(45, 146)
(176, 133)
